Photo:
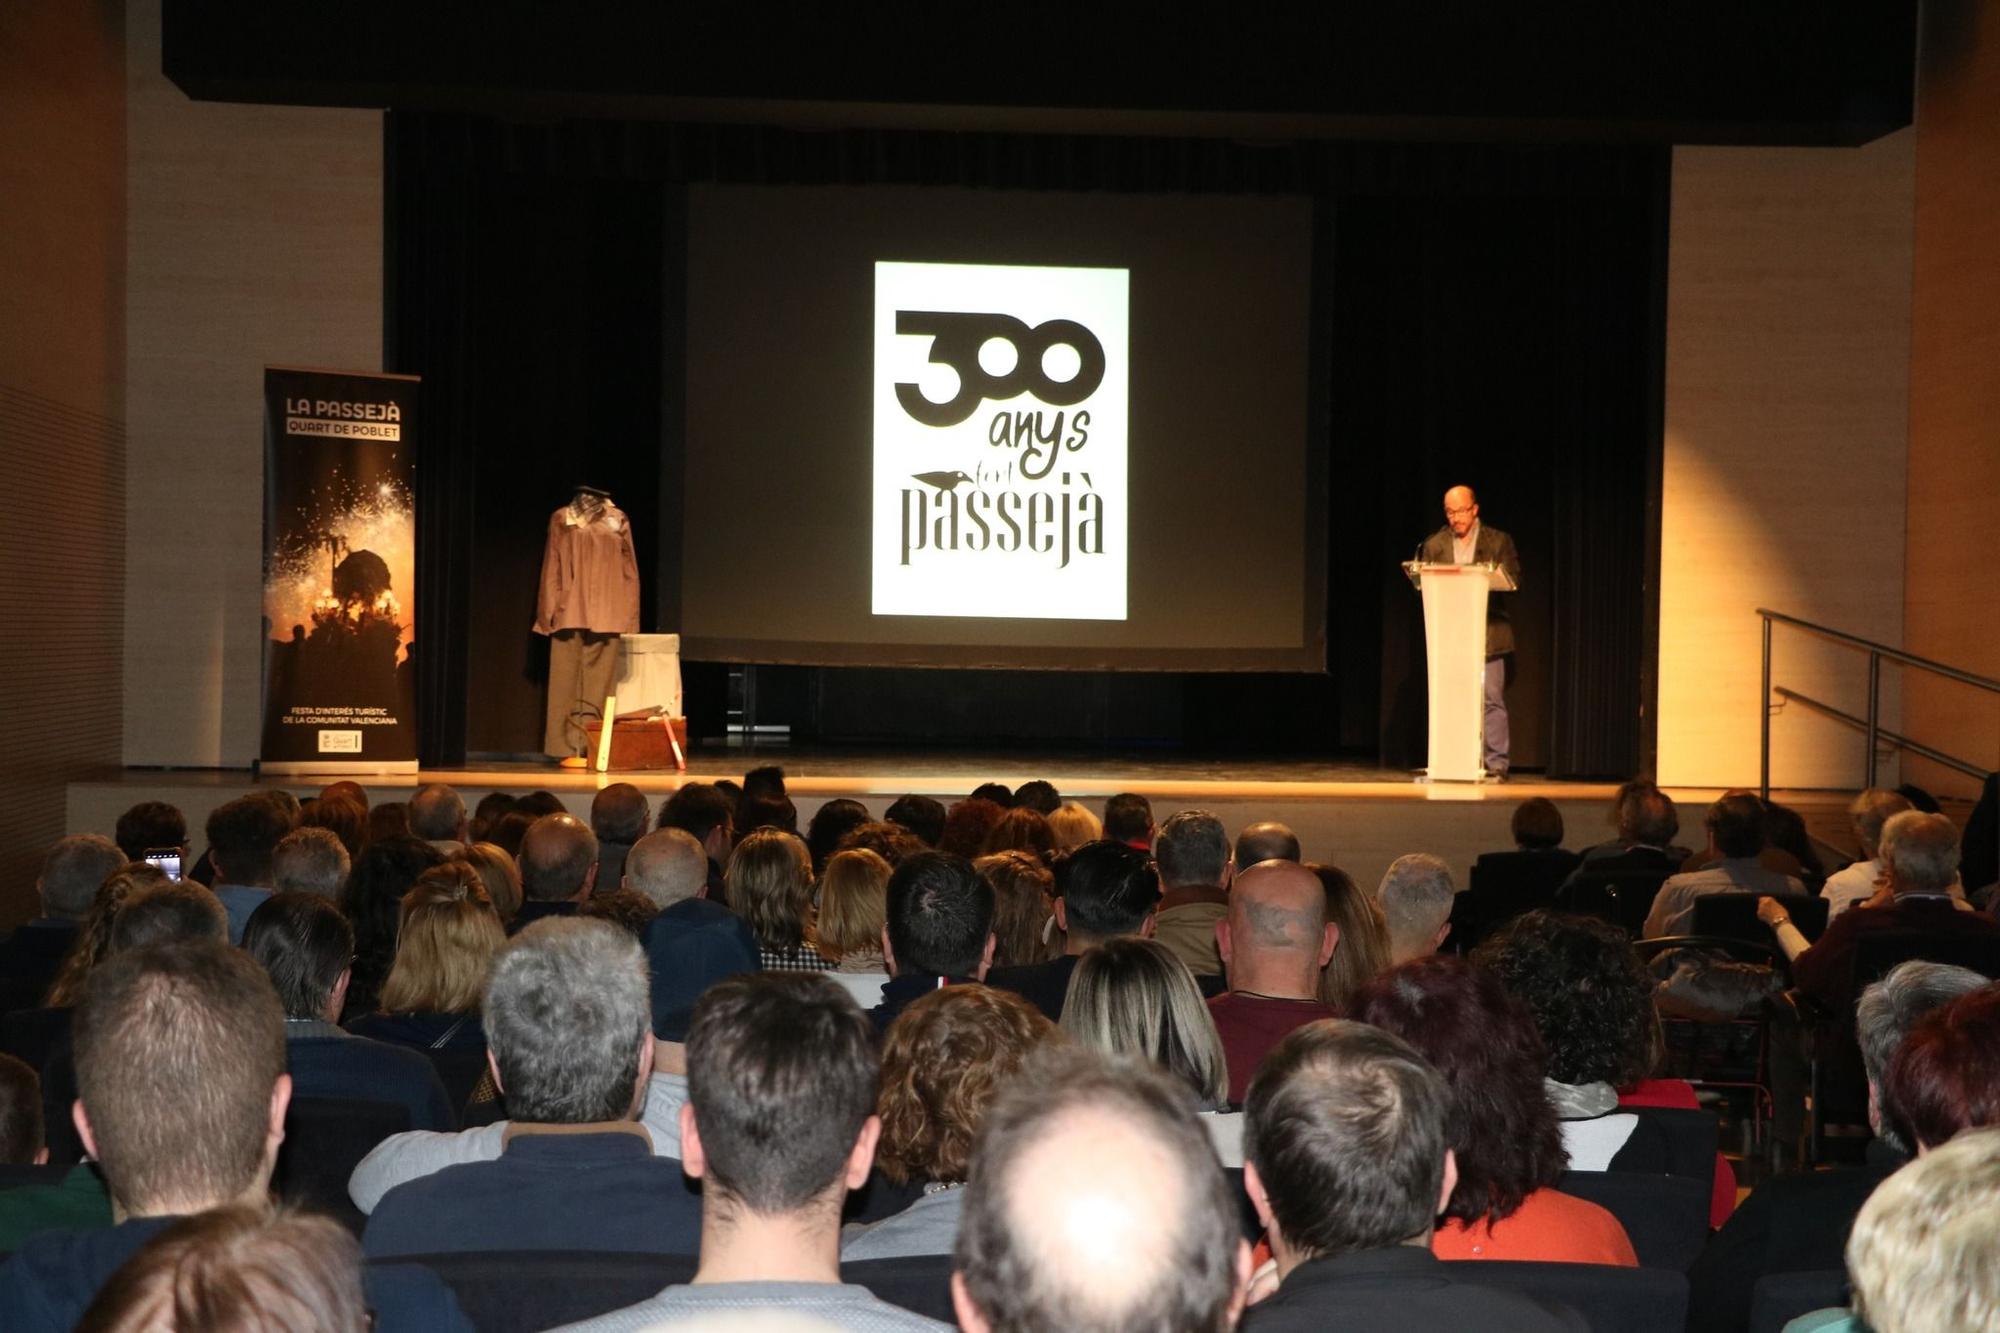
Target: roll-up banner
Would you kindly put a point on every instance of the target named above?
(340, 543)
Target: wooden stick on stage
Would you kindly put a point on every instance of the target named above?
(604, 736)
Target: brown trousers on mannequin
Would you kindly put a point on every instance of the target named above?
(582, 666)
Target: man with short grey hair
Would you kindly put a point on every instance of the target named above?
(72, 872)
(668, 867)
(1416, 896)
(1196, 865)
(310, 860)
(1857, 883)
(558, 867)
(569, 1036)
(437, 815)
(618, 816)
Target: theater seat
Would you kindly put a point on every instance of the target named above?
(1665, 1216)
(1629, 1300)
(524, 1291)
(1779, 1298)
(325, 1139)
(919, 1283)
(1692, 1138)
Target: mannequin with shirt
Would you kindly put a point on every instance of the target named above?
(589, 596)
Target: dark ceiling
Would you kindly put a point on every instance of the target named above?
(1639, 71)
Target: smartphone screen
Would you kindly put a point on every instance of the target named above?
(167, 859)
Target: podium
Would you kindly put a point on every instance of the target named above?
(1455, 644)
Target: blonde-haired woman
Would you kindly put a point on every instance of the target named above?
(769, 884)
(1073, 825)
(853, 895)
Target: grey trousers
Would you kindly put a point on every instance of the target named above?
(582, 666)
(1496, 715)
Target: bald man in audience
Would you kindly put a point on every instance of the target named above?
(437, 815)
(558, 868)
(1267, 841)
(1274, 942)
(1415, 896)
(1096, 1203)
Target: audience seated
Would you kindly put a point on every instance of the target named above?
(1024, 907)
(921, 815)
(151, 826)
(540, 802)
(1094, 1204)
(93, 938)
(779, 1125)
(492, 807)
(1074, 825)
(939, 931)
(943, 1062)
(508, 831)
(1645, 820)
(692, 942)
(1857, 883)
(180, 1052)
(1945, 1077)
(76, 1201)
(1799, 1222)
(853, 906)
(1196, 864)
(1507, 1144)
(1537, 828)
(1128, 818)
(570, 1038)
(501, 875)
(242, 834)
(1361, 948)
(1415, 896)
(1021, 829)
(619, 815)
(967, 824)
(628, 909)
(1349, 1140)
(769, 884)
(437, 815)
(310, 860)
(1735, 839)
(342, 816)
(389, 819)
(166, 912)
(892, 842)
(1266, 841)
(1105, 890)
(374, 906)
(304, 944)
(998, 793)
(1038, 795)
(1274, 943)
(558, 868)
(703, 812)
(72, 872)
(830, 823)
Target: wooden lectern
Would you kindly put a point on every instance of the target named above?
(1455, 642)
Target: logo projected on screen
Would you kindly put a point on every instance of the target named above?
(1000, 441)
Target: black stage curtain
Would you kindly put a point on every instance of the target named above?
(1494, 316)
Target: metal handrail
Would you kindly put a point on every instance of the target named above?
(1872, 723)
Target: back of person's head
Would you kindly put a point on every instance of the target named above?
(389, 819)
(1537, 824)
(303, 943)
(768, 811)
(242, 835)
(343, 817)
(437, 813)
(944, 1060)
(1922, 1256)
(1021, 829)
(93, 937)
(853, 904)
(1276, 927)
(148, 825)
(73, 869)
(1108, 889)
(668, 866)
(627, 909)
(997, 792)
(1921, 852)
(1785, 829)
(1266, 841)
(830, 823)
(569, 1020)
(558, 854)
(782, 1075)
(1128, 817)
(499, 872)
(1095, 1203)
(1136, 998)
(1591, 996)
(698, 808)
(940, 915)
(1073, 825)
(445, 943)
(1869, 811)
(1362, 949)
(346, 790)
(491, 808)
(619, 813)
(1649, 818)
(1919, 799)
(764, 780)
(1347, 1127)
(1039, 796)
(508, 831)
(178, 1048)
(540, 802)
(1193, 850)
(1023, 902)
(1415, 896)
(921, 815)
(177, 910)
(967, 825)
(246, 1268)
(310, 860)
(1483, 1042)
(21, 1129)
(1887, 1011)
(1945, 1077)
(769, 884)
(892, 842)
(1736, 824)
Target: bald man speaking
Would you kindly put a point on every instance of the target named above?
(1464, 540)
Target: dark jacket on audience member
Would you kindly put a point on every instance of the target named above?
(30, 959)
(534, 909)
(899, 993)
(1044, 985)
(53, 1278)
(690, 946)
(327, 1062)
(1825, 971)
(1403, 1288)
(551, 1188)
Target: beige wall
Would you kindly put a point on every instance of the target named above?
(1952, 608)
(1788, 335)
(256, 239)
(62, 416)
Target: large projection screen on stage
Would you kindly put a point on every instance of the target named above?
(945, 427)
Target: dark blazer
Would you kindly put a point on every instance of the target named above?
(1402, 1287)
(1493, 547)
(1044, 985)
(30, 959)
(1789, 1224)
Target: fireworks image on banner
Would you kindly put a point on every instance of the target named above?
(344, 566)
